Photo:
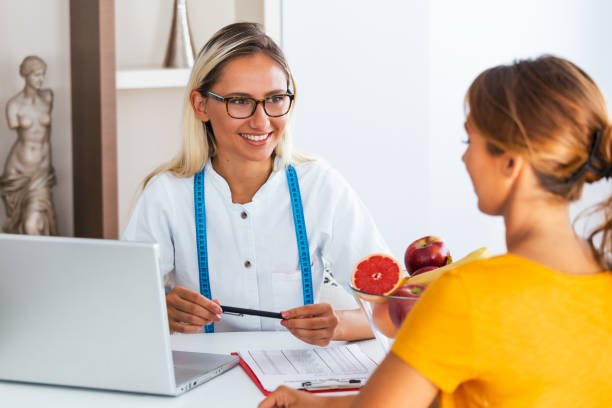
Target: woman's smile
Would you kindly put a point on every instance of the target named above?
(257, 138)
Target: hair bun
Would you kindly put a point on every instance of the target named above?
(604, 154)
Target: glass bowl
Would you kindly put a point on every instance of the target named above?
(386, 313)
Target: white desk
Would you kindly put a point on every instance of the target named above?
(231, 389)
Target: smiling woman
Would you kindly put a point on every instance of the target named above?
(241, 218)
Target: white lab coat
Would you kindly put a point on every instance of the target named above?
(252, 249)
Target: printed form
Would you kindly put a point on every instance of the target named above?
(318, 368)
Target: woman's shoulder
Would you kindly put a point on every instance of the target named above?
(492, 268)
(495, 262)
(508, 273)
(500, 265)
(480, 283)
(167, 183)
(482, 274)
(311, 164)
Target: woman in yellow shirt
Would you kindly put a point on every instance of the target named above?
(533, 327)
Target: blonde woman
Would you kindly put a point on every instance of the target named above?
(227, 211)
(533, 327)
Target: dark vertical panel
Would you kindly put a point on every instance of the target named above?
(94, 127)
(110, 210)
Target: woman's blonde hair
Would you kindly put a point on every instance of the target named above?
(551, 112)
(234, 40)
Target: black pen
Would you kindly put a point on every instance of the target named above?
(331, 384)
(240, 311)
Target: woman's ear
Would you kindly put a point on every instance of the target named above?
(511, 165)
(198, 103)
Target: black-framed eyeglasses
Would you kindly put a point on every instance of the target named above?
(242, 107)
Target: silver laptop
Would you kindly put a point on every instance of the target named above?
(91, 313)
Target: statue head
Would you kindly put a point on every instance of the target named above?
(33, 69)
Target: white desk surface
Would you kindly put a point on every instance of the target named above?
(231, 389)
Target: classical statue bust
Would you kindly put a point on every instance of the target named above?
(28, 176)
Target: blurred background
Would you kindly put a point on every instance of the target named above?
(380, 84)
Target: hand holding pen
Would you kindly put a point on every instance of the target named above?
(314, 324)
(189, 311)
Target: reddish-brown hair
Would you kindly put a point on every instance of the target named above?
(548, 110)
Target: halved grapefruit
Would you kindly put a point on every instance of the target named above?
(377, 274)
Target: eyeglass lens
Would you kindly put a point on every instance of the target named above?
(240, 108)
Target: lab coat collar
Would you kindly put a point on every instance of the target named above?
(221, 184)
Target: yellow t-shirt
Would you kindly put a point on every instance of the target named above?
(508, 332)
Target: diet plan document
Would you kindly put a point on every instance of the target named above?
(335, 367)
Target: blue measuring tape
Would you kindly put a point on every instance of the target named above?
(200, 221)
(300, 234)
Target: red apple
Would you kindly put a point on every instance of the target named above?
(399, 308)
(426, 251)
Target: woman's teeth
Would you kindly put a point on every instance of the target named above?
(255, 138)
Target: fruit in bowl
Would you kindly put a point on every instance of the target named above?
(382, 319)
(428, 277)
(402, 302)
(426, 251)
(373, 279)
(377, 274)
(376, 308)
(388, 315)
(385, 307)
(423, 270)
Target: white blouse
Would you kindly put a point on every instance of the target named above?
(252, 249)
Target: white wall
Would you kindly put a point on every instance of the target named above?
(362, 80)
(381, 87)
(40, 28)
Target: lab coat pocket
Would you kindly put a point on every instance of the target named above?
(287, 289)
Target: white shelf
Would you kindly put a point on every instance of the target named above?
(152, 78)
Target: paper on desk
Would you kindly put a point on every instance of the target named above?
(293, 367)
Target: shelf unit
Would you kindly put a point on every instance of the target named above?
(152, 78)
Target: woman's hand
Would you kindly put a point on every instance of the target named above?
(314, 324)
(285, 397)
(189, 311)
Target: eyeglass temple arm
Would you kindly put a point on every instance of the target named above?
(217, 97)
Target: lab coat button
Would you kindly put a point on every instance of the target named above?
(244, 215)
(247, 264)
